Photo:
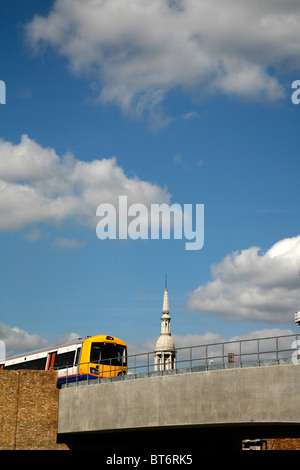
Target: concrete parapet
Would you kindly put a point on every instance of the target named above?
(264, 395)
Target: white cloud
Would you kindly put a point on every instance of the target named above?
(213, 341)
(18, 341)
(190, 115)
(36, 185)
(35, 235)
(135, 52)
(62, 242)
(253, 286)
(179, 160)
(192, 339)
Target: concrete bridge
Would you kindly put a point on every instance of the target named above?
(194, 410)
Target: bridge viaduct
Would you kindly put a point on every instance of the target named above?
(187, 411)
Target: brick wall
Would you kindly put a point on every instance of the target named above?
(288, 443)
(28, 410)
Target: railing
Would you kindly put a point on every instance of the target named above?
(253, 352)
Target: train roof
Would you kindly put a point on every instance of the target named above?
(45, 349)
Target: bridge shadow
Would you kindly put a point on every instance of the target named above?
(179, 441)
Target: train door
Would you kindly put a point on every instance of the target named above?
(77, 358)
(65, 362)
(51, 360)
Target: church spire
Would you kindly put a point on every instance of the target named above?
(165, 309)
(165, 354)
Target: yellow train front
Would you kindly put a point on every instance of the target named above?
(82, 359)
(102, 356)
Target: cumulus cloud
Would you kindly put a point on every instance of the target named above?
(215, 345)
(181, 341)
(62, 242)
(253, 286)
(35, 235)
(18, 341)
(135, 52)
(38, 186)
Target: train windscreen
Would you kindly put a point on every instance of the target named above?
(108, 353)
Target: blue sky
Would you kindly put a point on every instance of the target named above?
(185, 102)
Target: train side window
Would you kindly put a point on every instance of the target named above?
(64, 359)
(77, 356)
(35, 364)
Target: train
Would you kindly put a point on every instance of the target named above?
(94, 357)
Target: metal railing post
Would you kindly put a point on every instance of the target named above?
(240, 351)
(223, 359)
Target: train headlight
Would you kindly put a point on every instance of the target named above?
(94, 371)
